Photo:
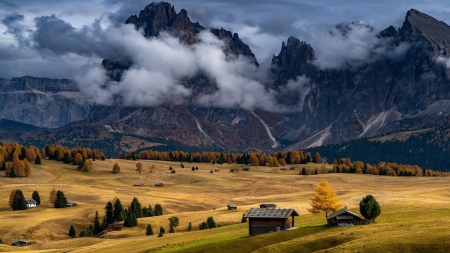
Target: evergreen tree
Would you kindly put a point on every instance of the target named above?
(203, 226)
(12, 173)
(149, 230)
(38, 160)
(162, 231)
(304, 172)
(66, 158)
(369, 208)
(211, 223)
(61, 200)
(193, 168)
(136, 208)
(97, 225)
(109, 213)
(19, 201)
(131, 220)
(316, 172)
(122, 216)
(189, 226)
(118, 209)
(244, 219)
(158, 210)
(36, 197)
(72, 232)
(3, 165)
(173, 223)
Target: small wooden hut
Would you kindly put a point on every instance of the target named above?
(345, 218)
(232, 207)
(266, 220)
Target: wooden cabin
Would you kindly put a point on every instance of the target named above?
(267, 220)
(232, 207)
(159, 185)
(283, 169)
(345, 218)
(234, 170)
(20, 243)
(31, 202)
(140, 184)
(246, 169)
(273, 206)
(292, 168)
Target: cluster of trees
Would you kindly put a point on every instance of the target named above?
(274, 160)
(345, 165)
(57, 198)
(20, 157)
(76, 156)
(325, 200)
(115, 212)
(209, 223)
(17, 199)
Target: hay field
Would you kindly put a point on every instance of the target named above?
(416, 207)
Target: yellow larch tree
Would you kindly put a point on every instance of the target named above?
(324, 199)
(11, 197)
(52, 197)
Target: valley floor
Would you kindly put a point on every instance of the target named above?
(415, 211)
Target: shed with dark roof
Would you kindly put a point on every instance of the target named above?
(268, 206)
(266, 220)
(345, 218)
(232, 207)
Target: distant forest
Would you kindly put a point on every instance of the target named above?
(429, 150)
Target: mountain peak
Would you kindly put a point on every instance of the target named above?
(418, 25)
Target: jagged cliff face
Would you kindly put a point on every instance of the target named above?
(42, 102)
(162, 17)
(356, 103)
(335, 104)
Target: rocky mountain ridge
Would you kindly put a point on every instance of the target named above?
(337, 104)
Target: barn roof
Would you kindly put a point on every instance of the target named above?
(270, 213)
(232, 205)
(343, 212)
(31, 202)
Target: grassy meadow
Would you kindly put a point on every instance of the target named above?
(415, 211)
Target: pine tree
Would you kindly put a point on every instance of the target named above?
(149, 230)
(158, 210)
(38, 160)
(136, 208)
(61, 200)
(109, 213)
(97, 225)
(162, 231)
(19, 201)
(324, 199)
(189, 226)
(12, 172)
(66, 158)
(316, 172)
(36, 197)
(72, 232)
(244, 219)
(118, 208)
(173, 223)
(304, 172)
(211, 223)
(122, 216)
(369, 208)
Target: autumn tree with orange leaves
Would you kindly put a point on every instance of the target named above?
(324, 199)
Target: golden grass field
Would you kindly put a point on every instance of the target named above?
(415, 211)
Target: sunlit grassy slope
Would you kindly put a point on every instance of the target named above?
(415, 211)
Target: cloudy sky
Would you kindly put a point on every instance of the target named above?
(261, 24)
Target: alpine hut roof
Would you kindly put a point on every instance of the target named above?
(343, 212)
(270, 213)
(31, 202)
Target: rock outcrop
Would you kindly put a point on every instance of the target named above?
(42, 102)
